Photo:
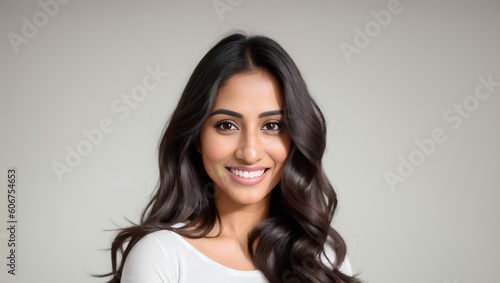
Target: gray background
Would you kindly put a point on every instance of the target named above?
(439, 225)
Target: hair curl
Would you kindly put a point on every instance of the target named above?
(292, 240)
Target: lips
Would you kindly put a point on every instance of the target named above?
(247, 176)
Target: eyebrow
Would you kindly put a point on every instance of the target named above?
(238, 115)
(227, 112)
(271, 113)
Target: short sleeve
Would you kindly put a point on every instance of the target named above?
(147, 262)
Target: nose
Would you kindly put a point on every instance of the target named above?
(250, 148)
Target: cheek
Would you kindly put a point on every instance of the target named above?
(278, 150)
(214, 149)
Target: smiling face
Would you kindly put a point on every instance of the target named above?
(243, 143)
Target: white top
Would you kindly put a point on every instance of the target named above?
(165, 257)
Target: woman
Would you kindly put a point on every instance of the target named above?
(242, 195)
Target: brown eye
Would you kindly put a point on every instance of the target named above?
(225, 126)
(272, 127)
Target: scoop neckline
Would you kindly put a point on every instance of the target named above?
(213, 262)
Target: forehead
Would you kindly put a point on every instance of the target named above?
(259, 91)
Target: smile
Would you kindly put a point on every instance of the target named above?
(247, 174)
(249, 177)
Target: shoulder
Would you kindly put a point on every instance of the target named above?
(157, 242)
(152, 259)
(329, 257)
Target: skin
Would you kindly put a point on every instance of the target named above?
(250, 137)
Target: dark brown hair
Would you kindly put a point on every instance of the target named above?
(292, 239)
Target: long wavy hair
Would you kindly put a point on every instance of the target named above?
(290, 243)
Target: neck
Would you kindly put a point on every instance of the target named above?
(238, 220)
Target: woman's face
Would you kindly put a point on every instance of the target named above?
(243, 143)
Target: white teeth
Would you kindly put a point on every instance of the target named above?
(247, 174)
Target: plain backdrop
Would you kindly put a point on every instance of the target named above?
(402, 86)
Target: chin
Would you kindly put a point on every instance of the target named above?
(249, 197)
